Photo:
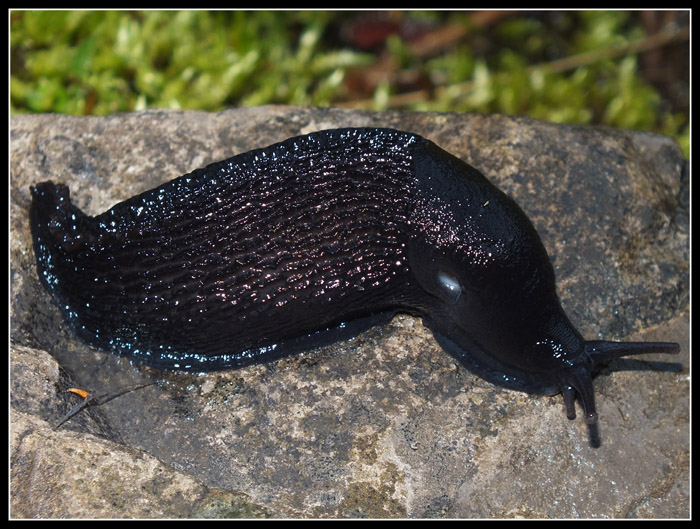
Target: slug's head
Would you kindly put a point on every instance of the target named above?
(489, 289)
(525, 342)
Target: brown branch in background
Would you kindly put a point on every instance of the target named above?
(633, 48)
(433, 42)
(372, 30)
(655, 41)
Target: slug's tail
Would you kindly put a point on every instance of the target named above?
(578, 379)
(59, 230)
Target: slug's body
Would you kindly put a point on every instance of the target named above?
(312, 240)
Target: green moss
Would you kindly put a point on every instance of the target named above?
(102, 62)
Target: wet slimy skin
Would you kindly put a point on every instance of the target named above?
(313, 240)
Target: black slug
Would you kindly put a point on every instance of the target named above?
(312, 240)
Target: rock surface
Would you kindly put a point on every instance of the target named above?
(386, 424)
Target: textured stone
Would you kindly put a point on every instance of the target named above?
(62, 474)
(386, 424)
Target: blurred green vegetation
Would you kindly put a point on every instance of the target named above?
(102, 62)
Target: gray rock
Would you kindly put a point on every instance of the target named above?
(386, 424)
